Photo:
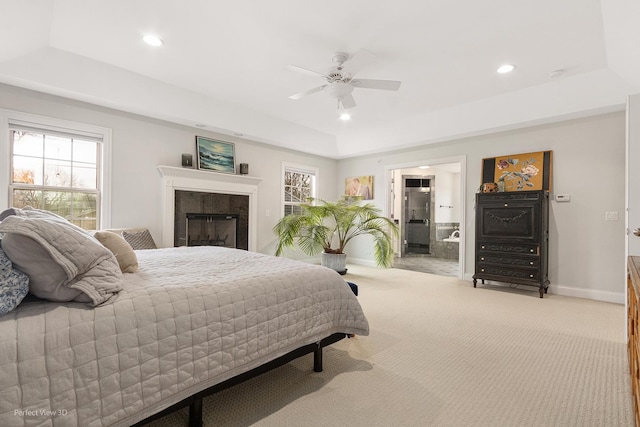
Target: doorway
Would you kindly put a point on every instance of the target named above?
(427, 202)
(416, 233)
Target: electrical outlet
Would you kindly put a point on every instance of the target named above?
(611, 216)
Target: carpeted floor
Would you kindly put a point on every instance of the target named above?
(442, 353)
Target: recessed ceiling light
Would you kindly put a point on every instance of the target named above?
(238, 134)
(423, 167)
(200, 125)
(345, 116)
(152, 40)
(506, 68)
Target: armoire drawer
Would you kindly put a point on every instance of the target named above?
(508, 248)
(515, 261)
(504, 273)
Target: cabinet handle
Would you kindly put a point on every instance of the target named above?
(482, 247)
(531, 263)
(482, 259)
(506, 204)
(531, 275)
(482, 269)
(531, 250)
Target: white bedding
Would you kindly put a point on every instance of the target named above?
(188, 319)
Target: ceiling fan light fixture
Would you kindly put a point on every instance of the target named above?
(338, 90)
(344, 116)
(152, 40)
(506, 68)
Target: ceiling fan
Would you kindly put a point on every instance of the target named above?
(340, 80)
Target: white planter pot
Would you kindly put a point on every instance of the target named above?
(337, 262)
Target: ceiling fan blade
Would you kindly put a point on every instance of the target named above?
(347, 102)
(304, 71)
(376, 84)
(307, 92)
(358, 61)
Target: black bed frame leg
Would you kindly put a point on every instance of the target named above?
(195, 413)
(317, 359)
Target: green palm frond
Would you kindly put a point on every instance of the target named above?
(321, 223)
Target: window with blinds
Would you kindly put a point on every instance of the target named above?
(57, 170)
(299, 186)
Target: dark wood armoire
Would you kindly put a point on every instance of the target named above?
(512, 238)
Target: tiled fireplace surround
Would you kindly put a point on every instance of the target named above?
(224, 190)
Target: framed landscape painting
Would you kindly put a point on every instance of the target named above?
(216, 156)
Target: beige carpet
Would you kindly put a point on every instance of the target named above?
(442, 353)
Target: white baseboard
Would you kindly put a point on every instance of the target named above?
(567, 291)
(594, 294)
(359, 261)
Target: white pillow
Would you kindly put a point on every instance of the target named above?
(127, 259)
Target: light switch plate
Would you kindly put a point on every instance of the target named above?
(611, 216)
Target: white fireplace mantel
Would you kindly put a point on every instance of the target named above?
(186, 179)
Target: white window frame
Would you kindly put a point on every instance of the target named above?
(9, 117)
(295, 167)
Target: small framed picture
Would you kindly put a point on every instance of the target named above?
(216, 156)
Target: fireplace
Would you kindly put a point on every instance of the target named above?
(208, 193)
(212, 230)
(199, 216)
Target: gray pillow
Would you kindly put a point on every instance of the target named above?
(139, 240)
(46, 276)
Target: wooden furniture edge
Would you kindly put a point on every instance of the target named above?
(633, 335)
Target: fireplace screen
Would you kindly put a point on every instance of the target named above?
(212, 230)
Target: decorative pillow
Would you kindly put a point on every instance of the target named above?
(139, 240)
(46, 276)
(127, 259)
(14, 285)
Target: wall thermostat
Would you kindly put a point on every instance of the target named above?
(563, 197)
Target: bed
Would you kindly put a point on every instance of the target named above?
(190, 321)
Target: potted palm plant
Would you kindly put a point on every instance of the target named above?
(327, 227)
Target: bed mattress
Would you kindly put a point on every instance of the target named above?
(188, 319)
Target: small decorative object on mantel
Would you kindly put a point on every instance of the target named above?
(519, 172)
(244, 168)
(216, 156)
(187, 160)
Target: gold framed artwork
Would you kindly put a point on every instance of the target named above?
(519, 172)
(359, 186)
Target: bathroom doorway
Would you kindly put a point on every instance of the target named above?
(427, 202)
(416, 218)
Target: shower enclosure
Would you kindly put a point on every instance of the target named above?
(416, 234)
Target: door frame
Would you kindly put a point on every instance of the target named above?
(386, 202)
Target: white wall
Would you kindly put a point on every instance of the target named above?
(586, 252)
(140, 144)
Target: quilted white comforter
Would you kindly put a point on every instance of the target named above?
(188, 319)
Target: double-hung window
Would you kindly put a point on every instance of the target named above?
(299, 184)
(58, 169)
